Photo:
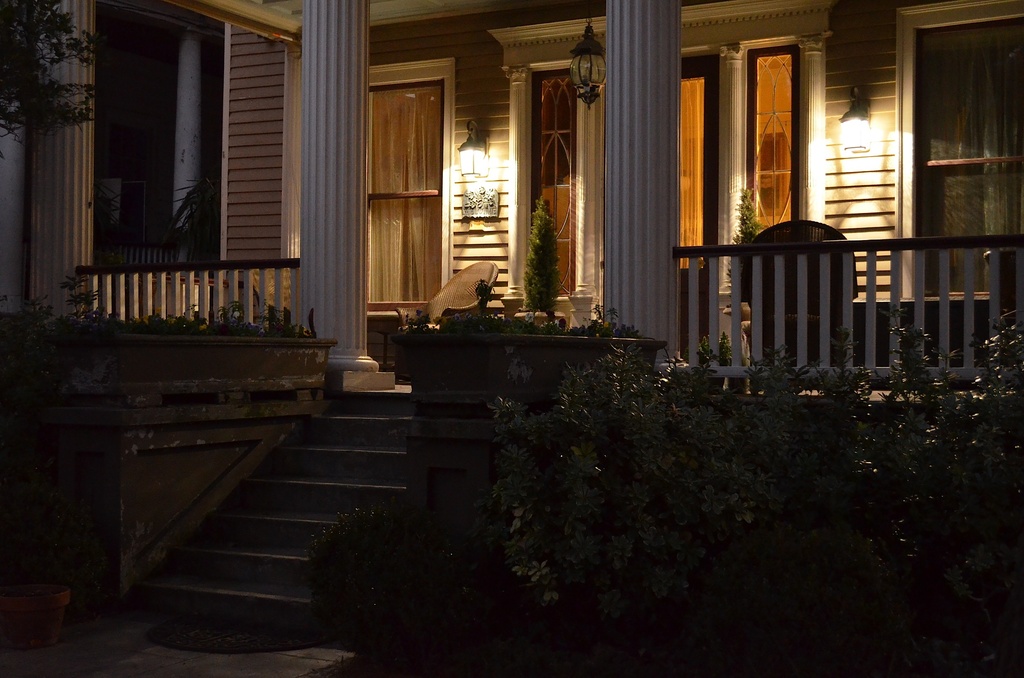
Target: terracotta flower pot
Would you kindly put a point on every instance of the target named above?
(31, 615)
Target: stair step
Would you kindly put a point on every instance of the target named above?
(350, 463)
(395, 403)
(251, 528)
(220, 561)
(270, 604)
(359, 431)
(313, 494)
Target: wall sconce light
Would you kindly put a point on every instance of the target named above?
(588, 69)
(855, 129)
(473, 153)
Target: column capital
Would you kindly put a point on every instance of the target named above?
(814, 43)
(732, 51)
(517, 72)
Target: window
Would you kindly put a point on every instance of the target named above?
(698, 152)
(405, 196)
(969, 129)
(554, 151)
(773, 125)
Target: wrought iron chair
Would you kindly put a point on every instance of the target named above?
(794, 232)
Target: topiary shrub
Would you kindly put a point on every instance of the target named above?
(49, 539)
(387, 582)
(788, 603)
(540, 281)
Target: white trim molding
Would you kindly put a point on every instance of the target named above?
(909, 20)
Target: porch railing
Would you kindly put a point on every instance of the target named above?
(178, 288)
(795, 295)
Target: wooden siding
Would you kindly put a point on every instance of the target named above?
(253, 159)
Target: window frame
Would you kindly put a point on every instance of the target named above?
(910, 20)
(412, 74)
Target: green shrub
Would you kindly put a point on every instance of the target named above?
(786, 603)
(48, 539)
(387, 582)
(540, 280)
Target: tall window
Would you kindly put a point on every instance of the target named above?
(698, 152)
(405, 170)
(554, 150)
(773, 121)
(969, 129)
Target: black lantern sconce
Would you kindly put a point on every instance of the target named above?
(473, 153)
(587, 69)
(855, 128)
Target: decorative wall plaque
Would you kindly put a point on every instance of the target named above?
(480, 203)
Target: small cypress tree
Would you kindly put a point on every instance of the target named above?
(541, 280)
(749, 225)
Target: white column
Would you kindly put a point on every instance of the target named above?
(642, 191)
(12, 222)
(334, 136)
(188, 116)
(732, 176)
(62, 188)
(519, 207)
(812, 134)
(291, 151)
(589, 164)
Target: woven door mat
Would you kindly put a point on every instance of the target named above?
(205, 634)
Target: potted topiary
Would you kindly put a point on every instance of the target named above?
(541, 279)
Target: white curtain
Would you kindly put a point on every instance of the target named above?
(691, 163)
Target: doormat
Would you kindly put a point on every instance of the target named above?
(205, 634)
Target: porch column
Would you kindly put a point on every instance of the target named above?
(642, 201)
(334, 97)
(732, 148)
(291, 151)
(12, 220)
(188, 117)
(812, 100)
(519, 207)
(62, 188)
(589, 162)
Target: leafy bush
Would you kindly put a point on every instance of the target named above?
(611, 508)
(48, 539)
(786, 603)
(540, 280)
(387, 582)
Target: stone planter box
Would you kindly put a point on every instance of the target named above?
(146, 370)
(467, 370)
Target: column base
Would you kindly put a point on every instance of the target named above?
(582, 308)
(349, 381)
(513, 304)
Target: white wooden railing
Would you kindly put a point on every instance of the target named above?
(180, 288)
(795, 295)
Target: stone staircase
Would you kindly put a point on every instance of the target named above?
(248, 560)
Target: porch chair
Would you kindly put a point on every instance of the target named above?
(796, 231)
(458, 294)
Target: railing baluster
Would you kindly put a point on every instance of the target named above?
(870, 311)
(1018, 285)
(780, 302)
(895, 299)
(736, 319)
(944, 301)
(757, 314)
(713, 311)
(693, 312)
(994, 277)
(203, 289)
(824, 308)
(919, 263)
(120, 302)
(801, 309)
(969, 307)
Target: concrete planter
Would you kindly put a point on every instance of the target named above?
(472, 370)
(145, 370)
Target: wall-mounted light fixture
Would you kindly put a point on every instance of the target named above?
(588, 69)
(473, 153)
(855, 129)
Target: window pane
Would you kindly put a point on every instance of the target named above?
(691, 163)
(557, 148)
(773, 162)
(405, 139)
(404, 237)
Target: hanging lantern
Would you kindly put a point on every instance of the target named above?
(587, 69)
(473, 153)
(855, 127)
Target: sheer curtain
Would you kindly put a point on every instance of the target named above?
(404, 223)
(691, 163)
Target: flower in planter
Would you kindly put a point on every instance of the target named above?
(602, 325)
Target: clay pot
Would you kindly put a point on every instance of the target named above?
(31, 615)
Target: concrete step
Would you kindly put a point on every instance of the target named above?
(351, 464)
(256, 528)
(392, 403)
(345, 430)
(313, 494)
(269, 604)
(267, 565)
